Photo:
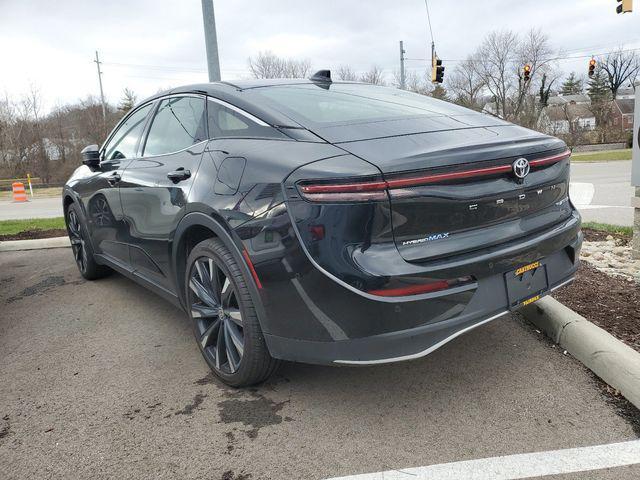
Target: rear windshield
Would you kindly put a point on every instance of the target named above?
(352, 103)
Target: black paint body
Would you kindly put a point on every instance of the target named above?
(313, 303)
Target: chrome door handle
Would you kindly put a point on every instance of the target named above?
(113, 179)
(179, 175)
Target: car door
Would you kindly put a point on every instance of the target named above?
(100, 194)
(155, 187)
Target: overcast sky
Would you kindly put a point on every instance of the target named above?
(148, 45)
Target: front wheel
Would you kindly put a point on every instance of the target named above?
(224, 319)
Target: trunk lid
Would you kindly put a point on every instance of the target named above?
(466, 196)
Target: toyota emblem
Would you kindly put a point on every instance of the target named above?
(521, 168)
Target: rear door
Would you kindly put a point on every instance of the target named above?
(155, 187)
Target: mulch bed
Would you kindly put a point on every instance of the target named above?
(600, 236)
(612, 303)
(34, 234)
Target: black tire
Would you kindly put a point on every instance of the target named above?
(81, 246)
(224, 318)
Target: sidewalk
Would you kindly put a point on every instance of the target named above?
(36, 208)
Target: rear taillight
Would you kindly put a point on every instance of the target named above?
(355, 190)
(349, 191)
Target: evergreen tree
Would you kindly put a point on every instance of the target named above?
(598, 87)
(572, 85)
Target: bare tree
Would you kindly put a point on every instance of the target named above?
(494, 61)
(439, 92)
(297, 68)
(345, 73)
(7, 124)
(416, 82)
(374, 76)
(35, 152)
(57, 131)
(466, 84)
(32, 141)
(90, 123)
(499, 62)
(269, 65)
(266, 65)
(620, 67)
(533, 49)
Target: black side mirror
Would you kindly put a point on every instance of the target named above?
(91, 156)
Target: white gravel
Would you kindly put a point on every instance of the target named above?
(612, 257)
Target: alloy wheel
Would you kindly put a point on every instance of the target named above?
(217, 316)
(77, 241)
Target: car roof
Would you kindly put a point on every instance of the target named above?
(243, 84)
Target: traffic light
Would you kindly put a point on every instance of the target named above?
(592, 67)
(624, 6)
(527, 72)
(437, 70)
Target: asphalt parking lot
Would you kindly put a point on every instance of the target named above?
(103, 380)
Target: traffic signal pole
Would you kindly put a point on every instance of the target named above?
(211, 40)
(403, 81)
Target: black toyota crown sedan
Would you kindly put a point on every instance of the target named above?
(324, 222)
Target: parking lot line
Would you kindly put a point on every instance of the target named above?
(528, 465)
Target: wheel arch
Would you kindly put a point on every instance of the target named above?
(192, 229)
(66, 201)
(69, 198)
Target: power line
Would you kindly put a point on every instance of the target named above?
(596, 54)
(551, 59)
(157, 67)
(426, 4)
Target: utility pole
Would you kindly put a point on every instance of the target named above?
(104, 107)
(403, 83)
(211, 40)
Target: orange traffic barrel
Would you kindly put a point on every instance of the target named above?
(19, 195)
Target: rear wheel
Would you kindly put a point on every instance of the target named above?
(81, 247)
(224, 319)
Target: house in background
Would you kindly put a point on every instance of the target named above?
(626, 93)
(578, 99)
(622, 114)
(567, 118)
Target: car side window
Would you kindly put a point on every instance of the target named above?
(225, 122)
(178, 124)
(123, 143)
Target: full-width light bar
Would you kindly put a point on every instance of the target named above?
(376, 189)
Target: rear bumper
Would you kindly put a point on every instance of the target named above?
(379, 349)
(314, 316)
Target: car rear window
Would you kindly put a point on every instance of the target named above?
(352, 103)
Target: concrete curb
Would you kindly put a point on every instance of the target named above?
(606, 356)
(17, 245)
